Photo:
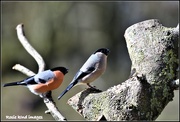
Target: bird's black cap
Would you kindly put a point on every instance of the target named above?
(103, 50)
(62, 69)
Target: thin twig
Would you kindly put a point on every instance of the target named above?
(23, 69)
(52, 108)
(29, 48)
(48, 100)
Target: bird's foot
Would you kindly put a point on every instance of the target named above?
(93, 87)
(47, 96)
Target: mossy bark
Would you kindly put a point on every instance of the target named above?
(153, 50)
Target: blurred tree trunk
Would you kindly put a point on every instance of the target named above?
(153, 50)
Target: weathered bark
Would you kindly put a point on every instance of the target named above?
(153, 50)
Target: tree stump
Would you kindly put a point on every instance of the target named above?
(153, 50)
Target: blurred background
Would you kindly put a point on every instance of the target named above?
(66, 34)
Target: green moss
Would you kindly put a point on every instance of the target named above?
(171, 62)
(161, 89)
(141, 56)
(148, 115)
(165, 91)
(155, 104)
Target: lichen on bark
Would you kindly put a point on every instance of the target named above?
(153, 53)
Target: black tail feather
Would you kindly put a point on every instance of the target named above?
(14, 84)
(66, 90)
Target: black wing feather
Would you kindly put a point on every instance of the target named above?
(42, 80)
(81, 74)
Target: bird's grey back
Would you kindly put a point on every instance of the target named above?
(93, 60)
(45, 75)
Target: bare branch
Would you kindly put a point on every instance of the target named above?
(23, 69)
(52, 108)
(48, 100)
(29, 48)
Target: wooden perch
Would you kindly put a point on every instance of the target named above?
(153, 50)
(48, 100)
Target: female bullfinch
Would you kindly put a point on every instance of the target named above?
(94, 67)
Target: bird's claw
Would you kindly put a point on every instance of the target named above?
(93, 87)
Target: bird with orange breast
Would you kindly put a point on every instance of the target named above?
(43, 82)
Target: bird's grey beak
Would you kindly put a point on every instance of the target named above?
(107, 51)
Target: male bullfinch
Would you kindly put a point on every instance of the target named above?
(44, 81)
(94, 67)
